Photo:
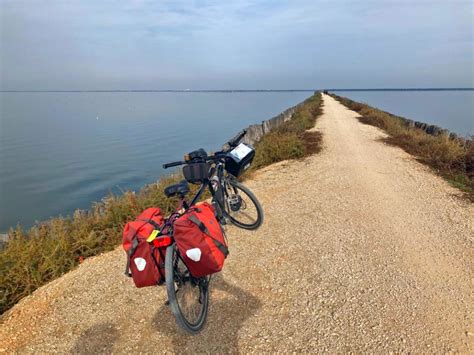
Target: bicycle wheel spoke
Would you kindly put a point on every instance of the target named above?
(189, 302)
(242, 207)
(247, 212)
(188, 298)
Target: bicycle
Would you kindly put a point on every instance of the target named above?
(188, 297)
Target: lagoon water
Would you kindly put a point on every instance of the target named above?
(62, 151)
(453, 110)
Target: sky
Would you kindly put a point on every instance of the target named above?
(306, 44)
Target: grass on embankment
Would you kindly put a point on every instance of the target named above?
(291, 140)
(36, 256)
(452, 158)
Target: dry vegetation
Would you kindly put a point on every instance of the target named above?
(291, 140)
(452, 158)
(49, 249)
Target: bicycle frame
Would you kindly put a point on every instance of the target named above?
(217, 196)
(207, 184)
(184, 204)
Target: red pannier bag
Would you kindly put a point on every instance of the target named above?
(145, 260)
(200, 240)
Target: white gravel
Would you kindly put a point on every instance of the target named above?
(363, 249)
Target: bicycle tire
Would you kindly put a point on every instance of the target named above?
(170, 276)
(259, 220)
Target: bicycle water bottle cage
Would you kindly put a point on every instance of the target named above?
(197, 155)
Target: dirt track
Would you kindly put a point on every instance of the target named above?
(363, 249)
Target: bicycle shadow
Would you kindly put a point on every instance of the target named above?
(229, 307)
(99, 338)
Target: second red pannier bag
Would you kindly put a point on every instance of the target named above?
(145, 260)
(200, 240)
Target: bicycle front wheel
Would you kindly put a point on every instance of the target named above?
(242, 207)
(188, 296)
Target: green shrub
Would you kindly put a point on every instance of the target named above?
(277, 146)
(291, 140)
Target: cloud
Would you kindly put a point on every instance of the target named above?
(91, 44)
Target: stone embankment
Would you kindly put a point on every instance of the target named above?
(430, 129)
(256, 131)
(3, 239)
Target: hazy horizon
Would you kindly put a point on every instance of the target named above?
(226, 90)
(246, 44)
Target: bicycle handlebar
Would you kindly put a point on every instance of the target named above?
(217, 156)
(170, 165)
(233, 141)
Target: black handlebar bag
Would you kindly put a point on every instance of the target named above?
(239, 159)
(196, 173)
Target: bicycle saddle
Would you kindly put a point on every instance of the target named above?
(181, 188)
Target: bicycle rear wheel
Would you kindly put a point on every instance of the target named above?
(242, 206)
(188, 296)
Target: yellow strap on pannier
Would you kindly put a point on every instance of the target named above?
(153, 235)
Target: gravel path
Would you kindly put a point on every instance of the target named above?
(363, 249)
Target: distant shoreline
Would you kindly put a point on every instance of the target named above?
(235, 90)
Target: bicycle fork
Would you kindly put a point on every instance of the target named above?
(218, 198)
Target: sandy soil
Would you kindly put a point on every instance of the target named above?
(363, 249)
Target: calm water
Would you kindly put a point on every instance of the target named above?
(61, 151)
(453, 110)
